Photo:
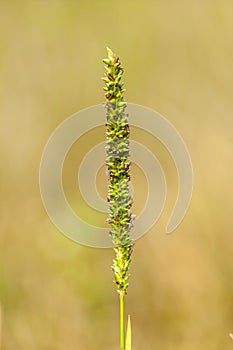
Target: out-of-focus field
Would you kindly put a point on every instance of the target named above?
(178, 59)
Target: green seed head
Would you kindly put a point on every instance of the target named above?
(118, 166)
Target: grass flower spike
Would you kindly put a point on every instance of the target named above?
(118, 167)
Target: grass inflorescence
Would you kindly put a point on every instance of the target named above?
(118, 169)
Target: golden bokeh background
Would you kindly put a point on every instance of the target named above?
(178, 60)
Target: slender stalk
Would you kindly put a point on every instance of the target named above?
(122, 322)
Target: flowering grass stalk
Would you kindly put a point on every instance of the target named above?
(118, 170)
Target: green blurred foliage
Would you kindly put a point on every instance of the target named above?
(178, 59)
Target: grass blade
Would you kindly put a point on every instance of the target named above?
(128, 335)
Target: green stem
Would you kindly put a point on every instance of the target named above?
(122, 325)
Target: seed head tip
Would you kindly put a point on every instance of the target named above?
(111, 55)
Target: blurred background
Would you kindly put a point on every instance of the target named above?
(178, 60)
